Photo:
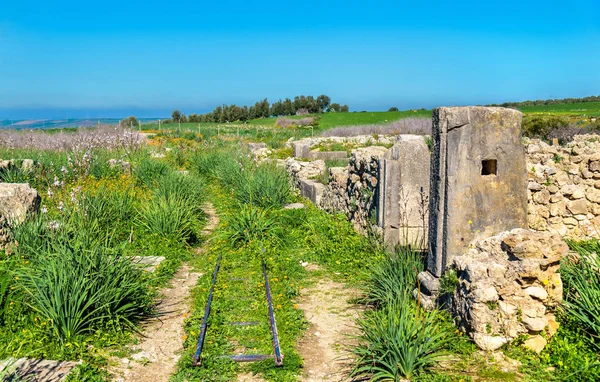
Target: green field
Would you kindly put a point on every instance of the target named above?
(326, 121)
(581, 110)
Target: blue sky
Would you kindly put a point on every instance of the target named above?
(114, 58)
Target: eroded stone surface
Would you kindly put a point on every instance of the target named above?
(506, 284)
(479, 181)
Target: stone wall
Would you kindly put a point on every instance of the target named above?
(564, 187)
(381, 189)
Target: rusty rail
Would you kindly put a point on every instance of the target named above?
(202, 334)
(278, 357)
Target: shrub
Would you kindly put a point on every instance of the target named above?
(79, 290)
(398, 341)
(393, 108)
(130, 121)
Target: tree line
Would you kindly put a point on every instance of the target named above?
(301, 105)
(549, 102)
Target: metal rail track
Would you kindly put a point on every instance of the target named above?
(277, 356)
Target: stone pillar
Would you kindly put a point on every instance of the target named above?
(478, 182)
(404, 191)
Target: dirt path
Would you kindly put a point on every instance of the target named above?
(155, 357)
(331, 318)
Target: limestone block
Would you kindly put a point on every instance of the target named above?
(478, 173)
(537, 292)
(17, 201)
(593, 195)
(535, 343)
(542, 197)
(489, 343)
(301, 149)
(577, 207)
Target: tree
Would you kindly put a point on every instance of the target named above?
(323, 102)
(344, 109)
(394, 108)
(277, 108)
(176, 115)
(129, 122)
(288, 107)
(334, 107)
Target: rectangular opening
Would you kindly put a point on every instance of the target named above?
(489, 167)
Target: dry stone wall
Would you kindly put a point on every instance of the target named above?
(564, 187)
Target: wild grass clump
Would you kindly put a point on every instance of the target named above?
(418, 126)
(218, 164)
(176, 208)
(77, 291)
(395, 277)
(581, 279)
(249, 223)
(399, 341)
(149, 170)
(266, 186)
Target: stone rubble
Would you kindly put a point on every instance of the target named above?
(508, 285)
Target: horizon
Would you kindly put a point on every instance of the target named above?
(147, 59)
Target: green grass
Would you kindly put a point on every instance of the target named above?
(584, 109)
(254, 128)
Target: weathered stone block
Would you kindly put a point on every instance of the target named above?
(301, 149)
(404, 191)
(17, 200)
(478, 179)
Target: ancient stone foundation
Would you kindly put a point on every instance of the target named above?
(381, 188)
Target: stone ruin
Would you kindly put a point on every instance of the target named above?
(507, 282)
(471, 193)
(381, 188)
(478, 183)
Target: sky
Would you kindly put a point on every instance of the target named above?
(79, 59)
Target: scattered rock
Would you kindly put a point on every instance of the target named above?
(535, 343)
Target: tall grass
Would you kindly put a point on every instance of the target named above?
(176, 208)
(398, 341)
(149, 170)
(267, 186)
(77, 291)
(581, 279)
(249, 223)
(395, 277)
